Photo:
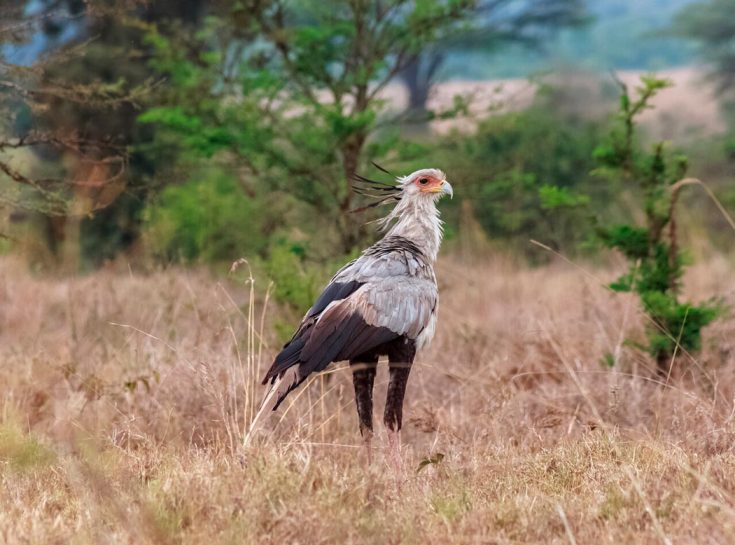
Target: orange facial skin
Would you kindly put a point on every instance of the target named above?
(429, 184)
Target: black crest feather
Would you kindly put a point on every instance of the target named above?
(382, 191)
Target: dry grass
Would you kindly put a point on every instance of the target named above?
(128, 433)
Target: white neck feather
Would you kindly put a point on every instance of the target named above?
(417, 219)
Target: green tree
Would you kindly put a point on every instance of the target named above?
(652, 249)
(72, 100)
(525, 173)
(291, 92)
(28, 89)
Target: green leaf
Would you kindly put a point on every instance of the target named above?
(608, 360)
(553, 197)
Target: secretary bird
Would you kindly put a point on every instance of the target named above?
(383, 303)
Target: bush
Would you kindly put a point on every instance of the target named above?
(296, 282)
(525, 173)
(655, 262)
(212, 220)
(206, 219)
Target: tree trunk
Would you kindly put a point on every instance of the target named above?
(351, 230)
(419, 76)
(418, 92)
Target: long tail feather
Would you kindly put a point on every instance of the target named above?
(273, 397)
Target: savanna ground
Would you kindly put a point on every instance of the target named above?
(125, 397)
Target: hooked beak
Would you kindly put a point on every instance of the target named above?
(447, 189)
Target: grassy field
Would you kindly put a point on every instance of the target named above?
(126, 395)
(671, 119)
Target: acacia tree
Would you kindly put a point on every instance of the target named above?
(79, 79)
(28, 90)
(494, 23)
(304, 82)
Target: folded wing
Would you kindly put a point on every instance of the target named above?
(370, 302)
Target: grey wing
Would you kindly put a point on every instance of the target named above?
(343, 284)
(368, 268)
(403, 305)
(375, 314)
(396, 290)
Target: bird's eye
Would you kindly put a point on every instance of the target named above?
(424, 181)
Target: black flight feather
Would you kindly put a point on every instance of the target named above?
(291, 352)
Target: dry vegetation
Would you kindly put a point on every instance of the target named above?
(121, 434)
(665, 121)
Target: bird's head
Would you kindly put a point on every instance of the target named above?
(427, 185)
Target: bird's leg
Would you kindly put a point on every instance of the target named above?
(363, 378)
(393, 416)
(400, 361)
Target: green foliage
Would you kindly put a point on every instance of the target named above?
(287, 95)
(208, 218)
(22, 451)
(683, 321)
(629, 239)
(294, 282)
(553, 197)
(655, 261)
(527, 174)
